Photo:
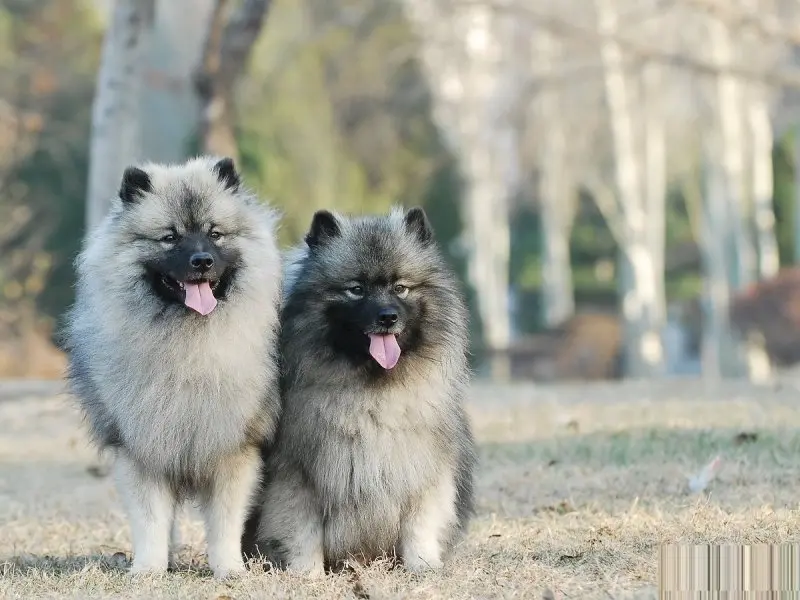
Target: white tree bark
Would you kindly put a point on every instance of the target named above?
(655, 187)
(116, 136)
(717, 350)
(729, 103)
(761, 138)
(641, 303)
(796, 227)
(462, 57)
(555, 197)
(487, 145)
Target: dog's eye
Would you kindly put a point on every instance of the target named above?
(355, 291)
(169, 238)
(401, 291)
(215, 235)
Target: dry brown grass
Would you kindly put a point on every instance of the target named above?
(578, 485)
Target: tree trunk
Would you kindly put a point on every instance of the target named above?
(721, 347)
(797, 194)
(761, 154)
(713, 248)
(555, 201)
(229, 43)
(655, 170)
(486, 152)
(732, 151)
(642, 305)
(115, 139)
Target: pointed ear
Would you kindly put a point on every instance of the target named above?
(417, 224)
(324, 227)
(135, 183)
(225, 171)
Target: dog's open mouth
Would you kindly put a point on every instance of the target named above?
(197, 294)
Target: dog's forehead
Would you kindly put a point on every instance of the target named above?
(190, 204)
(375, 251)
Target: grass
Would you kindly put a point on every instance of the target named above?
(578, 486)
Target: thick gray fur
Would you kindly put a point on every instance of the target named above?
(362, 466)
(183, 401)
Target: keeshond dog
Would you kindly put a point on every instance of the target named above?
(374, 454)
(172, 350)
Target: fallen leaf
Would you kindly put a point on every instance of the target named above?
(700, 482)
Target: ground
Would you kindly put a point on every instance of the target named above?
(578, 486)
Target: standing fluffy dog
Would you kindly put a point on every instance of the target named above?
(171, 344)
(374, 453)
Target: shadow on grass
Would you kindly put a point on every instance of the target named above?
(119, 562)
(633, 446)
(606, 472)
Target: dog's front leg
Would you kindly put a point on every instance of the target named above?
(225, 510)
(150, 504)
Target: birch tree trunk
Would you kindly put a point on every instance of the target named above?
(115, 138)
(717, 350)
(728, 172)
(641, 303)
(555, 201)
(729, 92)
(797, 194)
(462, 59)
(761, 138)
(655, 187)
(759, 153)
(227, 50)
(483, 150)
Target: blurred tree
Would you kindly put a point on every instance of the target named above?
(48, 59)
(116, 108)
(225, 57)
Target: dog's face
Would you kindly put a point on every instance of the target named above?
(182, 228)
(375, 289)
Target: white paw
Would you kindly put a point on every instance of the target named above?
(420, 564)
(147, 568)
(229, 570)
(311, 568)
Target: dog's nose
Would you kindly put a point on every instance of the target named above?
(387, 317)
(201, 261)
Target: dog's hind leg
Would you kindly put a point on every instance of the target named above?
(291, 526)
(150, 504)
(225, 511)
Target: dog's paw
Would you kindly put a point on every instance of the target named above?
(313, 569)
(139, 569)
(228, 571)
(422, 564)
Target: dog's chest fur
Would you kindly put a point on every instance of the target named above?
(374, 453)
(190, 399)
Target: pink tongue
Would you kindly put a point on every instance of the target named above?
(199, 297)
(384, 349)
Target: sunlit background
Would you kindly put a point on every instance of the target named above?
(614, 180)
